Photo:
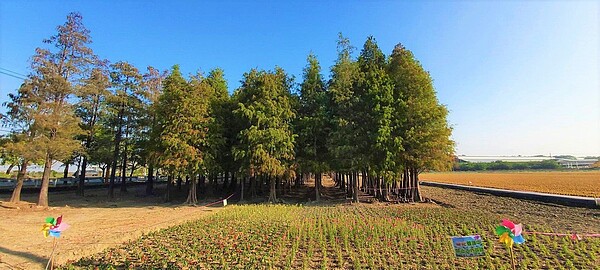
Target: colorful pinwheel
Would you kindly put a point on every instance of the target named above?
(510, 233)
(54, 227)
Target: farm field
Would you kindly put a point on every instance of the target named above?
(339, 237)
(578, 183)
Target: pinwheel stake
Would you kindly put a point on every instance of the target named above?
(53, 227)
(510, 234)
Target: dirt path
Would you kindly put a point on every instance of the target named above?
(96, 224)
(330, 194)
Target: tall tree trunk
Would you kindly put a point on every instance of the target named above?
(107, 174)
(405, 185)
(273, 189)
(81, 183)
(192, 199)
(355, 193)
(43, 199)
(317, 188)
(384, 190)
(260, 187)
(150, 180)
(381, 187)
(375, 185)
(66, 171)
(225, 185)
(169, 184)
(252, 187)
(416, 188)
(298, 178)
(16, 194)
(118, 137)
(349, 184)
(242, 184)
(113, 170)
(124, 171)
(233, 183)
(179, 181)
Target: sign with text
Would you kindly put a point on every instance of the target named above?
(468, 246)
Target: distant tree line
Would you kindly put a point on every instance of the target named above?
(501, 166)
(374, 125)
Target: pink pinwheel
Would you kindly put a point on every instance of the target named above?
(53, 227)
(510, 234)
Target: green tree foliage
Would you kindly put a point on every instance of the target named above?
(44, 97)
(342, 145)
(7, 157)
(425, 131)
(125, 105)
(183, 110)
(92, 95)
(18, 147)
(344, 73)
(313, 123)
(149, 144)
(101, 151)
(222, 129)
(376, 124)
(374, 111)
(266, 145)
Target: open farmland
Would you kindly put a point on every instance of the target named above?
(578, 183)
(338, 237)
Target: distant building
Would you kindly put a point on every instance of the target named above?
(90, 172)
(576, 163)
(566, 163)
(488, 159)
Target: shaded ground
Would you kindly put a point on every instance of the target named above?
(330, 194)
(96, 223)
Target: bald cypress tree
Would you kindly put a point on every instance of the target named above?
(43, 100)
(153, 85)
(20, 144)
(313, 124)
(90, 109)
(124, 105)
(183, 111)
(219, 158)
(342, 98)
(373, 109)
(422, 124)
(266, 144)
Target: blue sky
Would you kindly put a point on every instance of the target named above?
(518, 77)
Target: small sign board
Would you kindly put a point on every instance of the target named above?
(468, 246)
(225, 202)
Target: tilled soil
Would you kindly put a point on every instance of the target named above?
(560, 218)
